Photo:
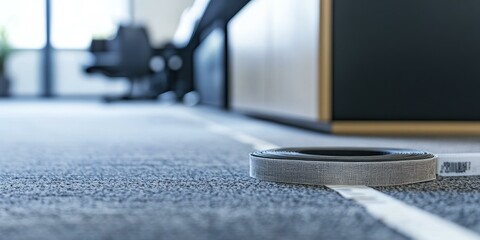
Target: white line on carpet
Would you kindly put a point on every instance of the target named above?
(408, 220)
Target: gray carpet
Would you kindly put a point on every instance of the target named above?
(146, 171)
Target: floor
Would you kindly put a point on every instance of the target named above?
(81, 170)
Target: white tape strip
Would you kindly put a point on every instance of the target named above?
(458, 164)
(408, 220)
(241, 137)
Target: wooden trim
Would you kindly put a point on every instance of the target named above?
(326, 57)
(288, 120)
(407, 128)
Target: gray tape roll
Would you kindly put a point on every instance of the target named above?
(343, 166)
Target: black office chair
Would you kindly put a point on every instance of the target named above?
(127, 55)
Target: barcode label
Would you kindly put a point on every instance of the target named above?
(458, 164)
(455, 167)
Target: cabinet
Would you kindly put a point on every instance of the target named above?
(274, 65)
(359, 66)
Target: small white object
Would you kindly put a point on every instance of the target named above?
(157, 64)
(175, 63)
(191, 99)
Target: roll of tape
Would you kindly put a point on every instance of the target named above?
(344, 166)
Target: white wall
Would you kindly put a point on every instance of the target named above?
(160, 16)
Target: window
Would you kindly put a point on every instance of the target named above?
(24, 22)
(75, 22)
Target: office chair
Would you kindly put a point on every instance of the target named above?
(127, 55)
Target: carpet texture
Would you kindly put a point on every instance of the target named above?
(149, 171)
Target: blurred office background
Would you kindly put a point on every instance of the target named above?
(73, 24)
(341, 69)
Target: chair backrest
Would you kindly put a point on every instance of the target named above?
(98, 46)
(134, 50)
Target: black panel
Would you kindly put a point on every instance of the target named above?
(217, 10)
(210, 68)
(406, 60)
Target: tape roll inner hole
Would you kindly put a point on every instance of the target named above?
(343, 153)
